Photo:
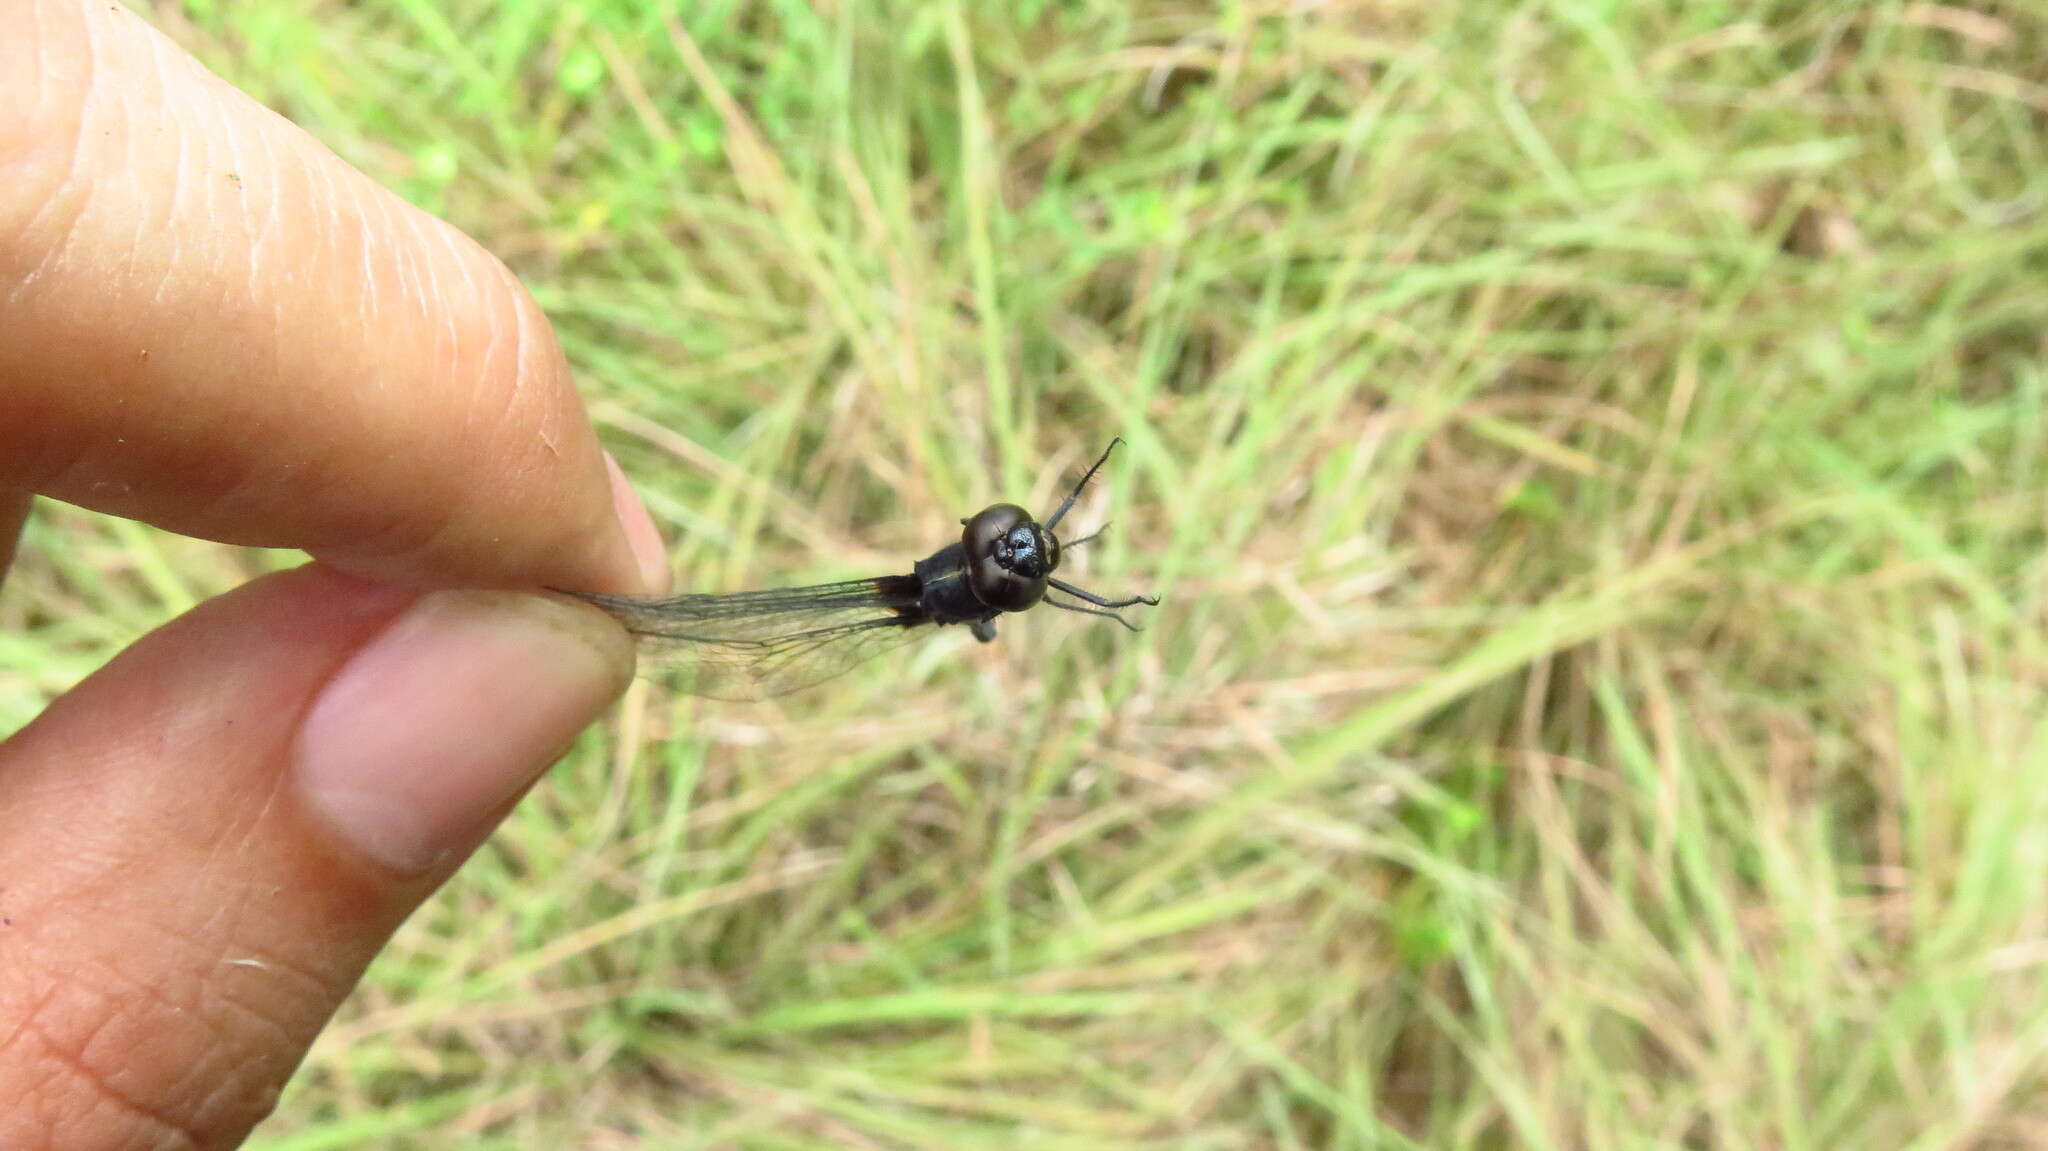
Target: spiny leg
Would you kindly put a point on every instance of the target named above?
(1093, 611)
(1076, 493)
(1097, 600)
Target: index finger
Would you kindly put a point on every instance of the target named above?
(211, 323)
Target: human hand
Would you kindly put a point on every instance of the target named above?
(210, 323)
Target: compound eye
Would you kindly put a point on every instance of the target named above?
(990, 527)
(1001, 588)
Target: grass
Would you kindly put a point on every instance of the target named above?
(1594, 458)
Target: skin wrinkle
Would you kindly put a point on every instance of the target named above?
(67, 189)
(402, 278)
(476, 324)
(329, 225)
(135, 159)
(463, 316)
(174, 259)
(478, 317)
(524, 340)
(276, 1007)
(234, 997)
(372, 313)
(520, 331)
(71, 878)
(535, 343)
(72, 1057)
(210, 1084)
(138, 174)
(453, 340)
(89, 83)
(239, 1014)
(268, 228)
(16, 1023)
(263, 812)
(232, 842)
(55, 118)
(528, 326)
(62, 1080)
(412, 280)
(495, 332)
(447, 337)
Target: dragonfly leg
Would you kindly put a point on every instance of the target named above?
(1093, 611)
(1097, 600)
(983, 630)
(1053, 521)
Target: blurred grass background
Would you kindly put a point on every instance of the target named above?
(1594, 456)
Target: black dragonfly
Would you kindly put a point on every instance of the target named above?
(756, 644)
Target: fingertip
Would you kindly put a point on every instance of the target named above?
(649, 554)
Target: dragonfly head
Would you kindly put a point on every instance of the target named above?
(1009, 555)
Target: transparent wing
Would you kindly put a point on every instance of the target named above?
(754, 645)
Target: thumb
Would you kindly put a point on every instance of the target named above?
(208, 839)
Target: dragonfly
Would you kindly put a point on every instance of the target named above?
(754, 645)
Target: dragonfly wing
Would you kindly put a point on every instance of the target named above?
(753, 669)
(753, 645)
